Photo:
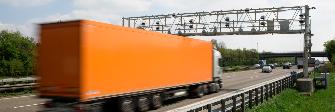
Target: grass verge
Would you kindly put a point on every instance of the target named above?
(290, 100)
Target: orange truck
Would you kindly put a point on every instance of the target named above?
(91, 66)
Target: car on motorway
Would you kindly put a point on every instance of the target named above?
(276, 64)
(257, 66)
(272, 66)
(266, 69)
(286, 66)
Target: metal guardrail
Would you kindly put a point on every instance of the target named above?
(240, 99)
(17, 86)
(14, 81)
(11, 84)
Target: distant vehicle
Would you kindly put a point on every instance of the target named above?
(311, 62)
(322, 62)
(262, 62)
(272, 66)
(276, 64)
(266, 69)
(286, 66)
(300, 63)
(257, 66)
(317, 62)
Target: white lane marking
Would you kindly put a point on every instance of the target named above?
(17, 97)
(28, 105)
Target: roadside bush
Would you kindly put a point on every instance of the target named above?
(238, 57)
(330, 49)
(17, 55)
(330, 67)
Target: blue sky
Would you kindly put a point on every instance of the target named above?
(23, 15)
(19, 14)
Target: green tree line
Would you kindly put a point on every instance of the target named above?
(238, 57)
(235, 57)
(330, 49)
(17, 55)
(281, 60)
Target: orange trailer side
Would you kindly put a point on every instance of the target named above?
(114, 60)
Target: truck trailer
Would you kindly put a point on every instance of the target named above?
(89, 66)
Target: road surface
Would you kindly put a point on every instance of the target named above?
(232, 81)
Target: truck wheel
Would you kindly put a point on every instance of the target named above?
(220, 85)
(206, 91)
(199, 91)
(143, 104)
(217, 86)
(156, 101)
(126, 105)
(212, 88)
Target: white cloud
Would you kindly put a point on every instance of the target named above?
(25, 3)
(25, 29)
(208, 5)
(115, 6)
(108, 11)
(111, 11)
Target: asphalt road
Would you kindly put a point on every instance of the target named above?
(232, 81)
(26, 103)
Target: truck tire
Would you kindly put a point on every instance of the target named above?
(206, 89)
(156, 101)
(126, 105)
(212, 88)
(217, 86)
(220, 85)
(198, 91)
(143, 104)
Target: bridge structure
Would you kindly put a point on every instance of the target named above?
(291, 54)
(249, 21)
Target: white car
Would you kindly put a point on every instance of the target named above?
(257, 66)
(266, 69)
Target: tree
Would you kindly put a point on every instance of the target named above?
(330, 49)
(17, 54)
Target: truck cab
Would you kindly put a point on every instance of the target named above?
(217, 67)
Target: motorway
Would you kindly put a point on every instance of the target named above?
(232, 81)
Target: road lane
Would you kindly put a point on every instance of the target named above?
(232, 81)
(26, 103)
